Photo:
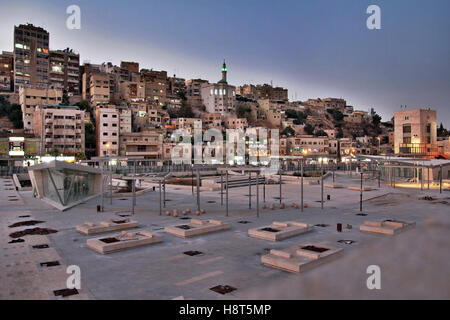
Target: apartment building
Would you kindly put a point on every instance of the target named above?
(272, 111)
(307, 145)
(147, 144)
(6, 71)
(31, 56)
(132, 67)
(30, 97)
(212, 120)
(264, 91)
(175, 86)
(155, 86)
(188, 124)
(415, 132)
(334, 103)
(131, 91)
(125, 123)
(357, 117)
(193, 92)
(96, 88)
(236, 123)
(107, 124)
(59, 128)
(64, 72)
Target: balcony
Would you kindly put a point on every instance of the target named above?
(418, 149)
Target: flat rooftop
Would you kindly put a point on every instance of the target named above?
(414, 264)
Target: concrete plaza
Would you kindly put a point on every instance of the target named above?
(414, 264)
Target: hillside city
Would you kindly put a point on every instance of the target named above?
(53, 105)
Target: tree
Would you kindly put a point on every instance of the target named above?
(80, 155)
(376, 120)
(321, 133)
(12, 111)
(55, 152)
(441, 131)
(340, 133)
(298, 116)
(309, 129)
(337, 115)
(242, 111)
(65, 99)
(288, 131)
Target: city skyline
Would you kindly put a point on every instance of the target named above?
(364, 73)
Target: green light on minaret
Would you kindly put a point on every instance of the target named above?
(224, 67)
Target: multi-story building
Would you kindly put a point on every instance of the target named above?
(272, 111)
(30, 97)
(131, 91)
(357, 117)
(107, 124)
(236, 123)
(96, 88)
(415, 132)
(59, 128)
(193, 92)
(334, 103)
(155, 86)
(64, 70)
(219, 97)
(264, 91)
(188, 124)
(6, 71)
(211, 120)
(132, 67)
(175, 86)
(147, 144)
(307, 145)
(124, 119)
(31, 56)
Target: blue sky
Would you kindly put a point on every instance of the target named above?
(315, 48)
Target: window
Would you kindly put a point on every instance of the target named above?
(406, 128)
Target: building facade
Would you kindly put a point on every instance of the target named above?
(64, 72)
(107, 124)
(219, 97)
(6, 71)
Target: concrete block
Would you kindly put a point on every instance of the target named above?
(358, 188)
(90, 228)
(386, 227)
(280, 230)
(333, 185)
(301, 258)
(123, 241)
(196, 227)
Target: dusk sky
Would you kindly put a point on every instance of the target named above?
(315, 48)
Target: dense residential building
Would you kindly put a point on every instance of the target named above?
(147, 144)
(272, 111)
(219, 97)
(59, 128)
(107, 124)
(193, 92)
(211, 120)
(415, 132)
(30, 97)
(334, 103)
(175, 86)
(31, 56)
(131, 91)
(64, 70)
(264, 91)
(132, 67)
(307, 145)
(357, 117)
(96, 88)
(155, 86)
(236, 123)
(6, 71)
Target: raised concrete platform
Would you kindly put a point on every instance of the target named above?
(89, 228)
(333, 185)
(196, 227)
(386, 227)
(358, 188)
(280, 230)
(123, 241)
(301, 258)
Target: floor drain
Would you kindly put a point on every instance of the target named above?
(40, 246)
(223, 289)
(65, 292)
(192, 253)
(346, 241)
(50, 264)
(211, 201)
(26, 216)
(34, 231)
(16, 240)
(244, 222)
(124, 215)
(184, 218)
(123, 199)
(13, 199)
(25, 223)
(322, 225)
(361, 214)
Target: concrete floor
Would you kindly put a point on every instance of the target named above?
(414, 264)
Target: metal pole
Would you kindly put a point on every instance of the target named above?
(198, 189)
(280, 185)
(249, 190)
(103, 190)
(160, 204)
(257, 195)
(221, 188)
(379, 178)
(428, 178)
(264, 189)
(192, 179)
(110, 184)
(226, 177)
(301, 186)
(440, 179)
(333, 172)
(321, 188)
(361, 193)
(164, 192)
(421, 178)
(134, 196)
